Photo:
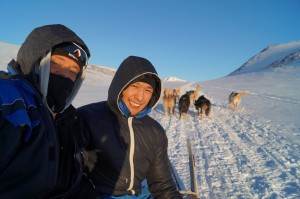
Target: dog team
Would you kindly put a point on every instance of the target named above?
(202, 104)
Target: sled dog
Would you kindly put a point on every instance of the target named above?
(176, 93)
(194, 94)
(203, 106)
(184, 104)
(235, 99)
(169, 101)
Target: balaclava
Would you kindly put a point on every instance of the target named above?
(59, 87)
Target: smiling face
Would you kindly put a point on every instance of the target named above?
(64, 66)
(137, 96)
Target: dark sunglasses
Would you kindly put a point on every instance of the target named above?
(75, 50)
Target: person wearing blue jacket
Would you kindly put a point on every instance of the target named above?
(123, 145)
(39, 158)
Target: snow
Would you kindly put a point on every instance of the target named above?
(7, 53)
(267, 56)
(251, 153)
(173, 79)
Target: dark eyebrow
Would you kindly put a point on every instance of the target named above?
(150, 87)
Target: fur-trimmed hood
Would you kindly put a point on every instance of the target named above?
(34, 56)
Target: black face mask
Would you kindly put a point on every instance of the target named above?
(59, 89)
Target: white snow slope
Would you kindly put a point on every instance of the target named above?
(251, 153)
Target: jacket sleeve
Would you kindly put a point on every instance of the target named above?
(89, 121)
(159, 179)
(10, 139)
(82, 129)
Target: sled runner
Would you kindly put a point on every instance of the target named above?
(193, 192)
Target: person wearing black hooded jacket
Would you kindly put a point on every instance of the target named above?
(123, 145)
(39, 158)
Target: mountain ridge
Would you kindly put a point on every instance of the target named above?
(275, 55)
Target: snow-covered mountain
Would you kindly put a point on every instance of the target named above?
(279, 55)
(251, 153)
(173, 79)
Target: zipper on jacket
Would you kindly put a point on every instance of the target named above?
(131, 154)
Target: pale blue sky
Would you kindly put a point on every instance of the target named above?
(195, 40)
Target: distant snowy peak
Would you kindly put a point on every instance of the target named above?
(102, 69)
(273, 56)
(173, 79)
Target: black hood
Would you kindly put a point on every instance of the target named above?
(131, 68)
(34, 56)
(41, 40)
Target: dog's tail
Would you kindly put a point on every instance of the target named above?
(197, 89)
(245, 92)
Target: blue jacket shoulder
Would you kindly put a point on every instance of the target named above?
(18, 103)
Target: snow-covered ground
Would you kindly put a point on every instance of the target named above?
(251, 153)
(242, 154)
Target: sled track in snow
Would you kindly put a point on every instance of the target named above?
(246, 159)
(178, 150)
(236, 156)
(221, 169)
